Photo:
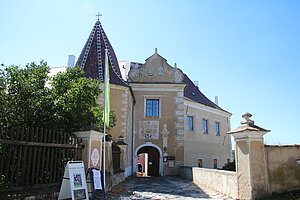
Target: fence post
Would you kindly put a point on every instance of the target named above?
(251, 165)
(123, 158)
(92, 151)
(109, 160)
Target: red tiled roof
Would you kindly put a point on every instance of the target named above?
(247, 127)
(92, 57)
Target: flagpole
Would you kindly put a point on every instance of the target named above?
(105, 114)
(104, 152)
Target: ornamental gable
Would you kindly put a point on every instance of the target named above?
(155, 70)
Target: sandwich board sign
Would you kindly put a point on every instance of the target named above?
(74, 182)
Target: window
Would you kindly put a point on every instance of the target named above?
(200, 162)
(190, 123)
(152, 107)
(217, 127)
(215, 163)
(204, 125)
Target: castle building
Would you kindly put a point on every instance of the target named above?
(161, 114)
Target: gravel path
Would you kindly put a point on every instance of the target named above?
(167, 187)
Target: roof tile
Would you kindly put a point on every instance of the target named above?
(92, 57)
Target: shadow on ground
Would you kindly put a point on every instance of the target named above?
(156, 188)
(293, 195)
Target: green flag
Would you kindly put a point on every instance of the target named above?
(106, 91)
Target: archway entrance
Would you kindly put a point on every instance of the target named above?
(148, 161)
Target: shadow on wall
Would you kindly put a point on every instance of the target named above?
(186, 172)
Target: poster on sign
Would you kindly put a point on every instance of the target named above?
(74, 182)
(97, 179)
(79, 194)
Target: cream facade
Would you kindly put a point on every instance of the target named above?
(206, 146)
(122, 103)
(161, 132)
(168, 130)
(159, 112)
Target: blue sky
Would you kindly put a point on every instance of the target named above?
(245, 52)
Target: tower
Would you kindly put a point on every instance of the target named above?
(91, 60)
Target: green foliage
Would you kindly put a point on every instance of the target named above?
(68, 103)
(1, 176)
(229, 166)
(1, 179)
(98, 112)
(23, 96)
(2, 98)
(74, 98)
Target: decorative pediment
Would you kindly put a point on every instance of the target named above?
(155, 70)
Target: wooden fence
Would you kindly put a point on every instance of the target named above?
(35, 156)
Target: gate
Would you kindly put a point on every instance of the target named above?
(34, 157)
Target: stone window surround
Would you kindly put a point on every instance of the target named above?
(193, 123)
(152, 107)
(190, 114)
(218, 122)
(201, 161)
(159, 97)
(215, 166)
(207, 125)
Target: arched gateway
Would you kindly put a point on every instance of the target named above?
(149, 156)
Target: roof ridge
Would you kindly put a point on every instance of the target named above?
(108, 52)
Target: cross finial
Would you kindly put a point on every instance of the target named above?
(99, 15)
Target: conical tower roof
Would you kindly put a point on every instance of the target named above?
(92, 57)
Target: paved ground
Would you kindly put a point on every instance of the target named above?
(167, 187)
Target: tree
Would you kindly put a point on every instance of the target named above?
(230, 166)
(68, 103)
(2, 99)
(24, 94)
(75, 100)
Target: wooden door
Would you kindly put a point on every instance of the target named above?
(153, 162)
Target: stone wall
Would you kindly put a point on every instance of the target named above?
(222, 181)
(283, 170)
(186, 172)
